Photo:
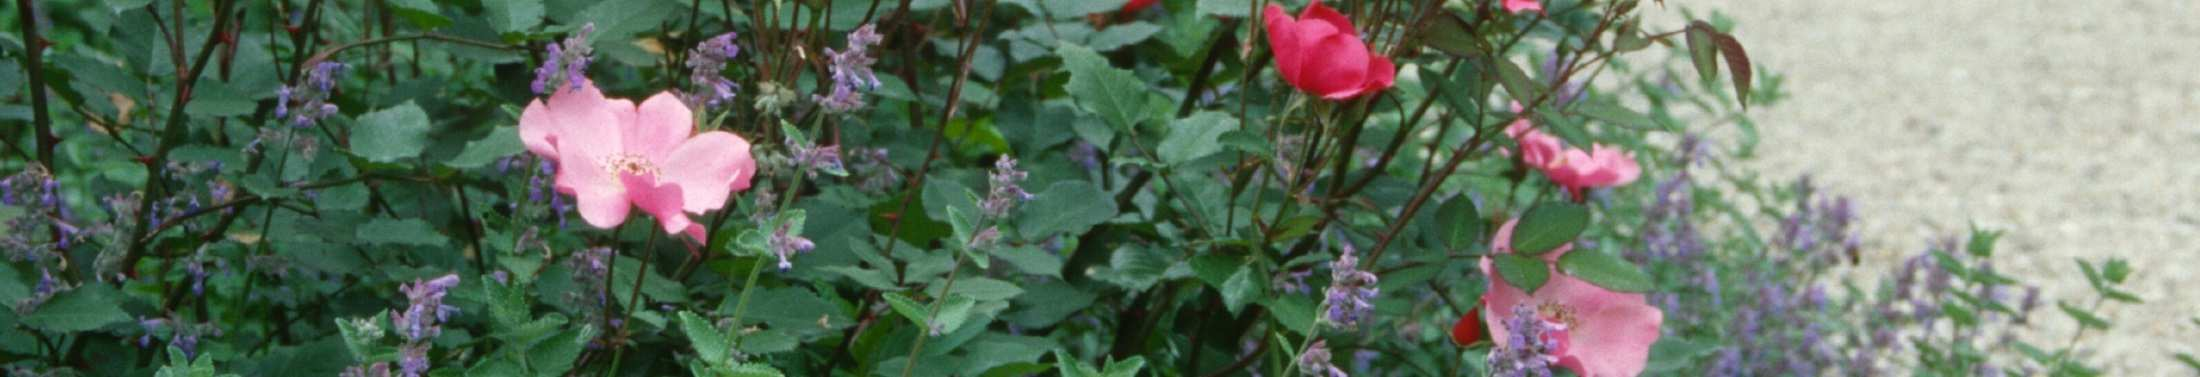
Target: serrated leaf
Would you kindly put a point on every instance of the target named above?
(501, 142)
(710, 343)
(1066, 207)
(1459, 224)
(1079, 8)
(1196, 136)
(986, 289)
(408, 232)
(1605, 270)
(513, 16)
(1526, 273)
(391, 134)
(85, 308)
(1548, 225)
(1114, 94)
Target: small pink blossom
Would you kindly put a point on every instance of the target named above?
(613, 156)
(1600, 333)
(1517, 6)
(1572, 168)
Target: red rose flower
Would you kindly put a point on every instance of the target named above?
(1322, 54)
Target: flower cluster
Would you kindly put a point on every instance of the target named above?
(565, 64)
(1532, 347)
(591, 267)
(311, 97)
(421, 321)
(40, 193)
(1351, 294)
(1315, 361)
(810, 158)
(785, 243)
(1006, 189)
(851, 71)
(705, 65)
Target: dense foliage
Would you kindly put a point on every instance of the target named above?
(938, 187)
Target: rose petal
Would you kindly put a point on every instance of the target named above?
(708, 168)
(1284, 42)
(660, 125)
(659, 199)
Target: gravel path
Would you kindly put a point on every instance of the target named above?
(2074, 125)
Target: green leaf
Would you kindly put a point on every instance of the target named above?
(1549, 225)
(2084, 317)
(1295, 312)
(1516, 81)
(1225, 8)
(88, 307)
(1447, 33)
(2189, 361)
(1673, 354)
(421, 12)
(909, 308)
(391, 134)
(2116, 270)
(1066, 207)
(513, 16)
(987, 289)
(1240, 289)
(216, 99)
(1114, 94)
(1525, 272)
(1195, 136)
(1120, 35)
(1701, 51)
(408, 232)
(710, 343)
(501, 142)
(1079, 8)
(1605, 270)
(1459, 224)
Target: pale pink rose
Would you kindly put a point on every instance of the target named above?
(1604, 333)
(1537, 149)
(1600, 166)
(612, 156)
(1517, 6)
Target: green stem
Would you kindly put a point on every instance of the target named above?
(926, 328)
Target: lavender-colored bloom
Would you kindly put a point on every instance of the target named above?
(851, 71)
(590, 267)
(413, 359)
(784, 243)
(307, 103)
(1351, 291)
(370, 370)
(705, 66)
(186, 342)
(422, 318)
(1315, 361)
(1006, 191)
(565, 63)
(877, 172)
(811, 159)
(985, 239)
(1531, 345)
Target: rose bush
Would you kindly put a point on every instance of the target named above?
(939, 188)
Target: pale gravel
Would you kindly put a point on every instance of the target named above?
(2073, 125)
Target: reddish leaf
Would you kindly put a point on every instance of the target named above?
(1737, 64)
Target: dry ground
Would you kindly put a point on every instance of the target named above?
(2074, 125)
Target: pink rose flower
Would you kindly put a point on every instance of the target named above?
(1572, 168)
(613, 155)
(1604, 333)
(1517, 6)
(1321, 53)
